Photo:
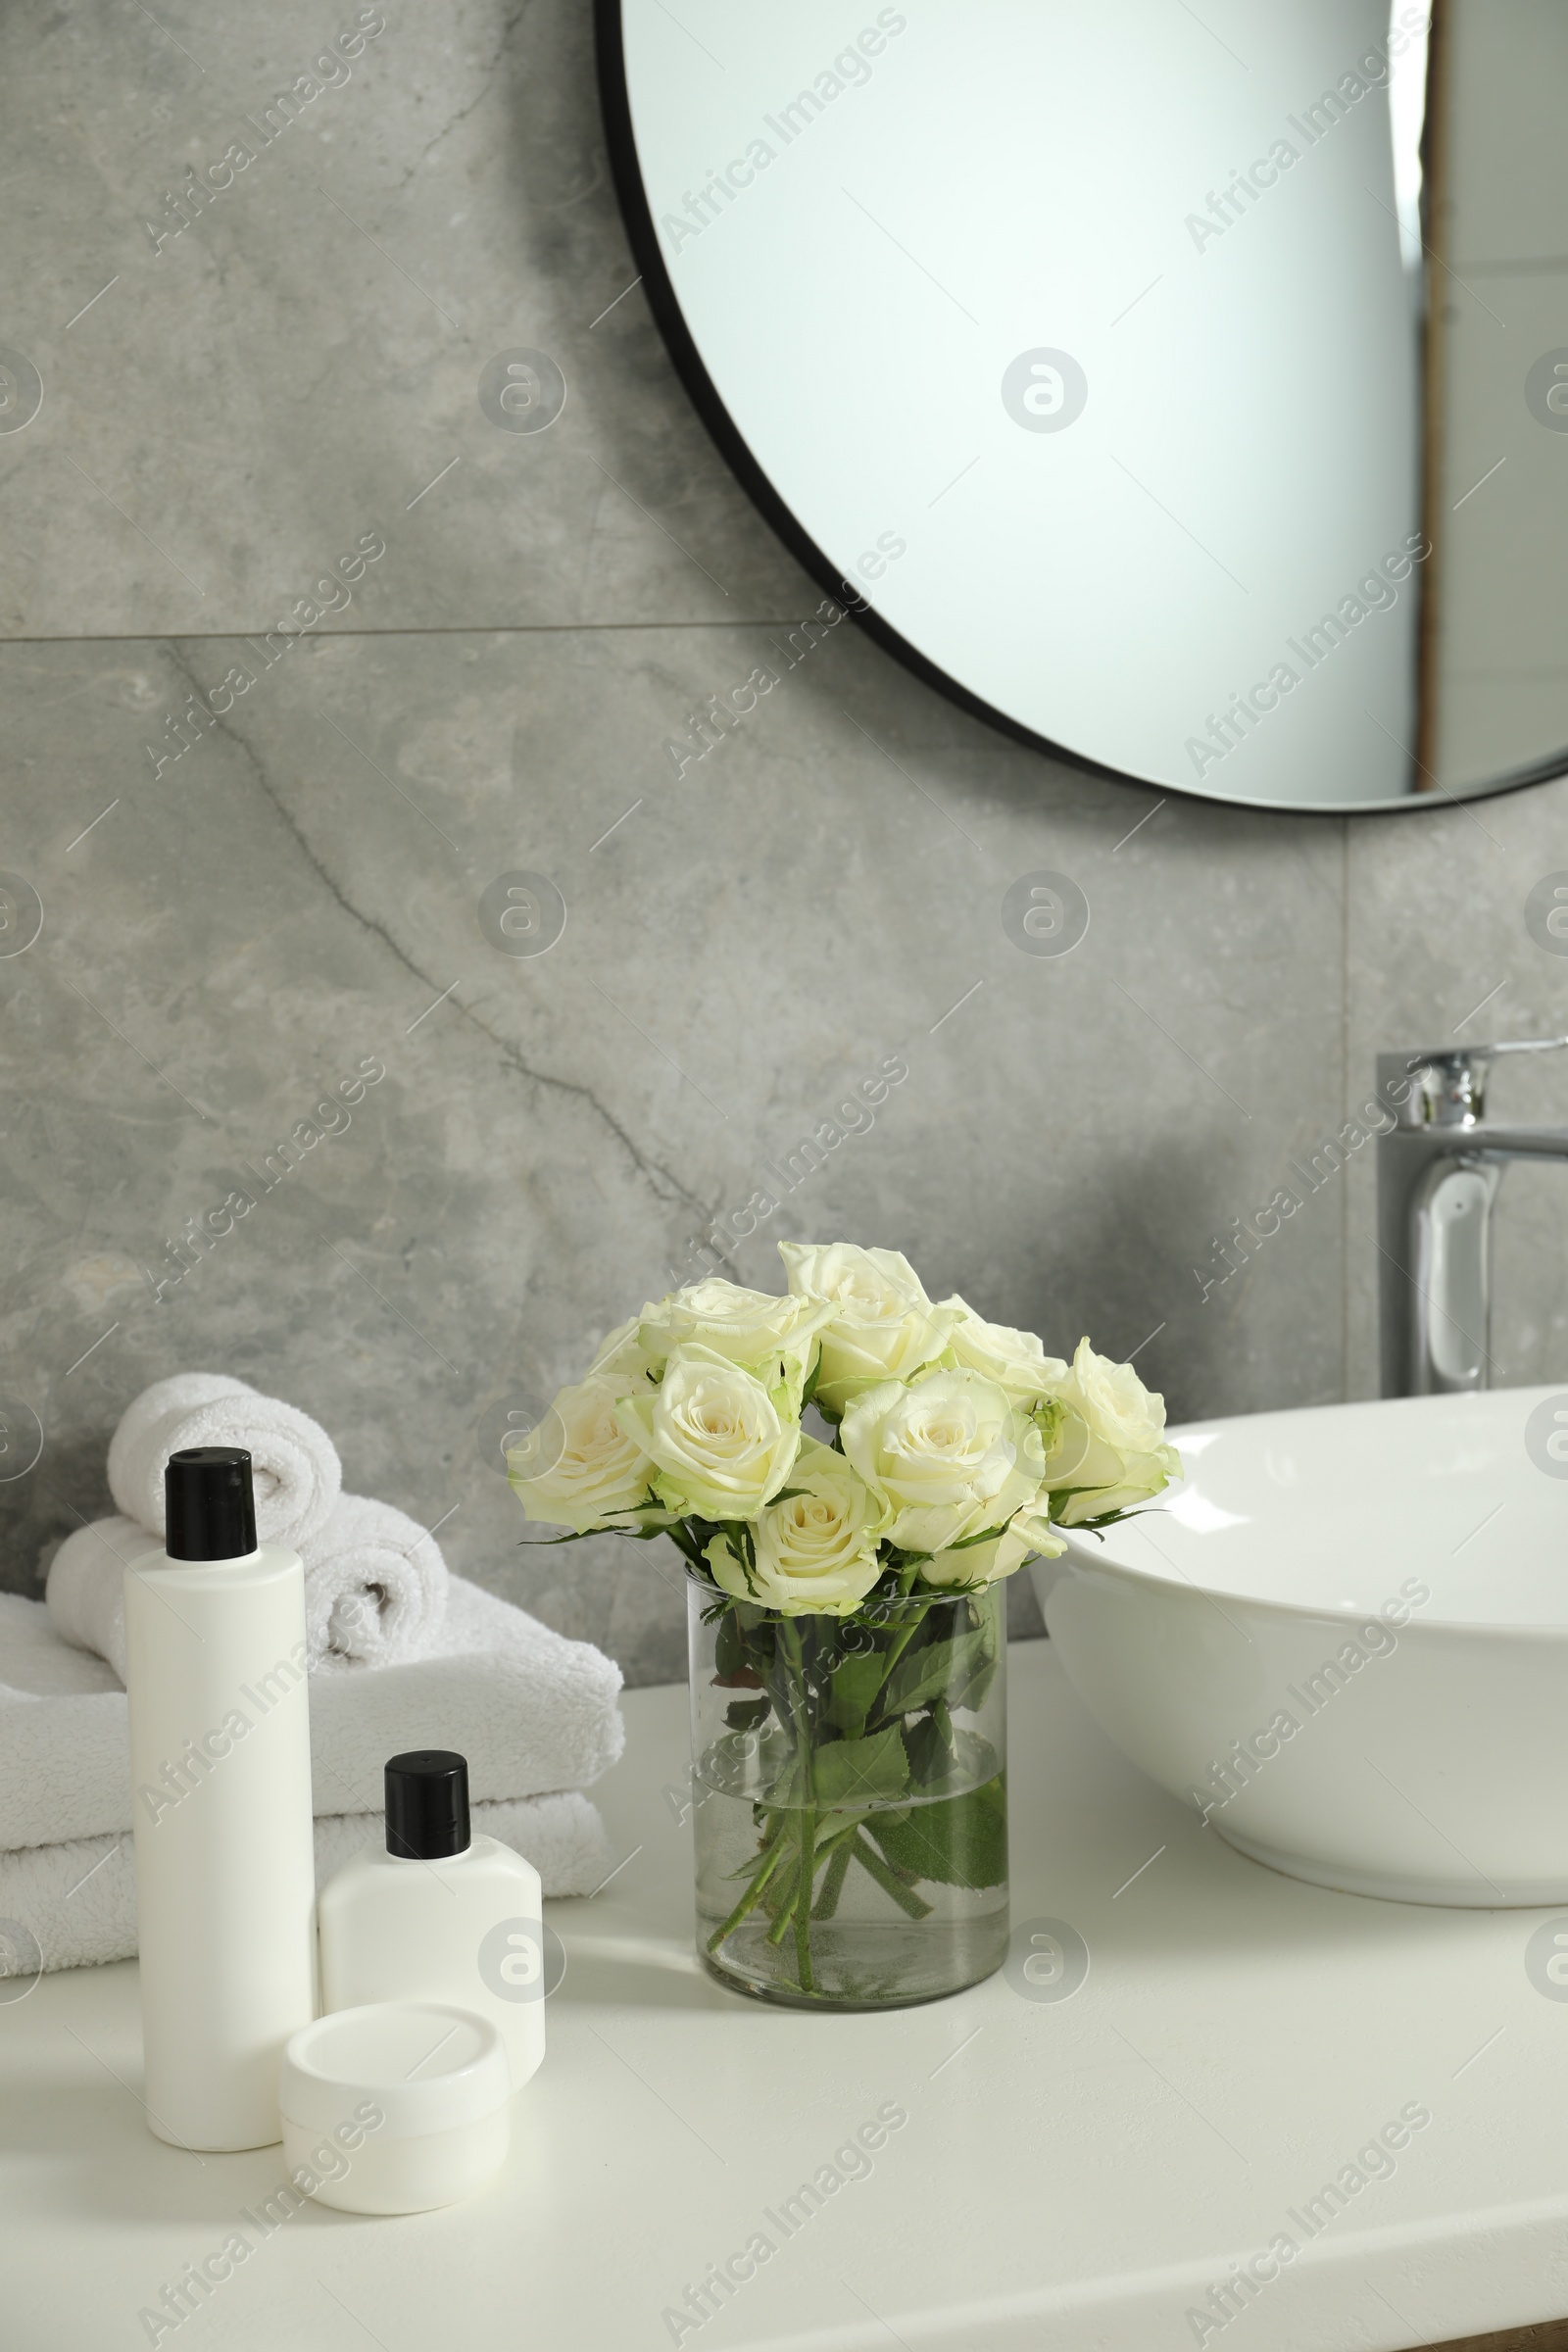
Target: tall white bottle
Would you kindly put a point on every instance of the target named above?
(221, 1798)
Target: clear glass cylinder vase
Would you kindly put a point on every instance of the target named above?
(849, 1797)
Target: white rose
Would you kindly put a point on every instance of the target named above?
(578, 1468)
(1015, 1359)
(1028, 1535)
(949, 1456)
(774, 1337)
(884, 1326)
(619, 1357)
(1108, 1451)
(816, 1551)
(1144, 1476)
(719, 1446)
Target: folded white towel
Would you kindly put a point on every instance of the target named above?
(295, 1470)
(533, 1713)
(530, 1709)
(78, 1900)
(375, 1586)
(34, 1660)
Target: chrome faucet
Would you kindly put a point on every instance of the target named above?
(1439, 1170)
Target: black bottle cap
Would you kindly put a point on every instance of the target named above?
(426, 1804)
(209, 1510)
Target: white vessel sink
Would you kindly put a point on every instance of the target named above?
(1344, 1638)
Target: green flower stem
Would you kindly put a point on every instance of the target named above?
(866, 1855)
(803, 1904)
(790, 1638)
(907, 1877)
(906, 1633)
(789, 1890)
(782, 1895)
(834, 1838)
(833, 1878)
(754, 1892)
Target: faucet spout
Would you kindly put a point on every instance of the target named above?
(1439, 1168)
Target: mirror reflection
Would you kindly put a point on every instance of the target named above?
(1186, 389)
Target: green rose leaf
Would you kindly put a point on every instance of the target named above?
(978, 1760)
(852, 1688)
(729, 1647)
(931, 1759)
(959, 1670)
(746, 1714)
(957, 1842)
(982, 1675)
(860, 1772)
(743, 1649)
(957, 1759)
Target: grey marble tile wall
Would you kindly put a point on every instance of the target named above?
(264, 866)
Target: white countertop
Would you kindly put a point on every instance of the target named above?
(1072, 2173)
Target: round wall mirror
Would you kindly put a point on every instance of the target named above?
(1184, 389)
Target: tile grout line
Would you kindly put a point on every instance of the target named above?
(476, 629)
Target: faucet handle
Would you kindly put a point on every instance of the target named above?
(1451, 1089)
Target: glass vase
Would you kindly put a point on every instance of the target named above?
(849, 1797)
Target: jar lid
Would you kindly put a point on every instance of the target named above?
(424, 2065)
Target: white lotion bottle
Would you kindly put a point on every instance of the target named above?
(438, 1915)
(221, 1801)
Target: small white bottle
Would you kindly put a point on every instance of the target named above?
(220, 1802)
(438, 1915)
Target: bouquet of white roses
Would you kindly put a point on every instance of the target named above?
(956, 1449)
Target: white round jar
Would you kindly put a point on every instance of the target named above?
(395, 2107)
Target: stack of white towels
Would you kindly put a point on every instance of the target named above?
(401, 1655)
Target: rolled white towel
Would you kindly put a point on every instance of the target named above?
(375, 1586)
(295, 1470)
(86, 1594)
